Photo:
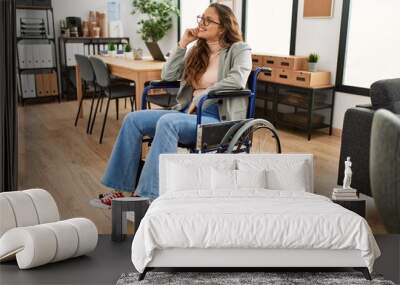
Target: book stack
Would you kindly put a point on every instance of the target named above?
(344, 194)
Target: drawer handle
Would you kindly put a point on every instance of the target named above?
(285, 63)
(270, 61)
(283, 76)
(300, 79)
(255, 60)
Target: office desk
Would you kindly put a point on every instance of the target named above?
(139, 71)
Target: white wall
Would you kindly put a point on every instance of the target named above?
(322, 36)
(81, 8)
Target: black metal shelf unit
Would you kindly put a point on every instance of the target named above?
(69, 46)
(304, 101)
(47, 34)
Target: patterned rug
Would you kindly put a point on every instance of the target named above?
(244, 278)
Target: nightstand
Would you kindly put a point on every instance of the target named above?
(120, 207)
(356, 205)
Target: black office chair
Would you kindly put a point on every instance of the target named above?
(109, 90)
(88, 79)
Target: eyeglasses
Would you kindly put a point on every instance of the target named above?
(206, 21)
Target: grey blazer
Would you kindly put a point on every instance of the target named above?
(234, 69)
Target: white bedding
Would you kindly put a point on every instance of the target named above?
(252, 218)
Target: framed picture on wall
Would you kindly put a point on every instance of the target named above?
(318, 8)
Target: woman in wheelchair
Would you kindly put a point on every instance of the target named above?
(219, 59)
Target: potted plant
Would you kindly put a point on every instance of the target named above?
(128, 51)
(312, 61)
(111, 50)
(157, 20)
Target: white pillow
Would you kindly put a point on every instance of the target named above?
(188, 177)
(223, 179)
(281, 174)
(295, 179)
(251, 178)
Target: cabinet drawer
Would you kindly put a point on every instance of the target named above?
(293, 62)
(311, 79)
(271, 61)
(284, 76)
(257, 61)
(268, 76)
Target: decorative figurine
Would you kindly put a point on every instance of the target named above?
(347, 174)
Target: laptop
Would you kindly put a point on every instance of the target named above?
(155, 51)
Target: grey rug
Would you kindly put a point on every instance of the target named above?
(244, 278)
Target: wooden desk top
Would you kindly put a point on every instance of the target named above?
(136, 65)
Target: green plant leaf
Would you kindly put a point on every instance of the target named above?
(158, 17)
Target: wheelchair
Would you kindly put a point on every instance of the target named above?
(225, 136)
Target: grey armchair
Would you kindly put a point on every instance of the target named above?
(385, 168)
(356, 133)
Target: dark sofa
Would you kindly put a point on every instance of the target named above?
(356, 133)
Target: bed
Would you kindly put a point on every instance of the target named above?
(220, 210)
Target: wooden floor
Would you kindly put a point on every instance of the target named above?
(63, 159)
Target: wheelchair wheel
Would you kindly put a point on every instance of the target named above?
(252, 136)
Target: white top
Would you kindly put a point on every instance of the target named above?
(210, 76)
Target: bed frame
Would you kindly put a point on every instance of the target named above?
(242, 259)
(245, 258)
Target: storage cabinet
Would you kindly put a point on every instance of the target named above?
(292, 94)
(301, 104)
(290, 70)
(36, 52)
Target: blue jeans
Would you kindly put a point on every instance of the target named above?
(167, 128)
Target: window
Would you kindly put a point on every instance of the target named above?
(369, 44)
(270, 25)
(189, 10)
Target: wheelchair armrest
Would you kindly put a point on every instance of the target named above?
(265, 69)
(258, 70)
(220, 94)
(157, 84)
(164, 84)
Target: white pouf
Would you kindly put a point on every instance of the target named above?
(31, 233)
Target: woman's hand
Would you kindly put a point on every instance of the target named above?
(192, 108)
(189, 36)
